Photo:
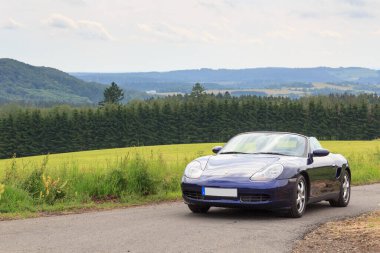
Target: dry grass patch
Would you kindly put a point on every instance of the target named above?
(361, 234)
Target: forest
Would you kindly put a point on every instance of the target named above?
(192, 118)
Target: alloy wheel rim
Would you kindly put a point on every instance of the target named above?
(346, 188)
(301, 196)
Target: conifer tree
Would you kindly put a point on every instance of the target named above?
(112, 95)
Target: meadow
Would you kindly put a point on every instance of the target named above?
(127, 176)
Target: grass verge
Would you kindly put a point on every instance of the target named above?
(104, 179)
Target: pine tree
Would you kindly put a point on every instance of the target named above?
(112, 95)
(198, 91)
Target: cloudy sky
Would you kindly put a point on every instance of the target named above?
(144, 35)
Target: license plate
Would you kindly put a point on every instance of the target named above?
(219, 192)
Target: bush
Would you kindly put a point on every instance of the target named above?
(53, 189)
(42, 187)
(117, 182)
(33, 183)
(139, 178)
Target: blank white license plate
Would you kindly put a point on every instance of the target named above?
(219, 192)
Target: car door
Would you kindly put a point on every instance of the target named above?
(321, 172)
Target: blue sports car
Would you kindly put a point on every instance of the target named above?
(269, 170)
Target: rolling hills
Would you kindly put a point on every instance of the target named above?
(23, 83)
(26, 84)
(351, 79)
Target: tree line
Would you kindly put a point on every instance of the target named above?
(197, 117)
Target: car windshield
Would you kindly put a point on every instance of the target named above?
(266, 143)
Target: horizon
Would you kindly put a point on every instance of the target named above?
(201, 68)
(206, 68)
(143, 35)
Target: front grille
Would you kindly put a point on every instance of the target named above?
(255, 198)
(193, 194)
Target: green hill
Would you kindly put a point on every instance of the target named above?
(23, 83)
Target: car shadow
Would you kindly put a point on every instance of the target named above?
(258, 214)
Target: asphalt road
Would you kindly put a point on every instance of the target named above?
(170, 227)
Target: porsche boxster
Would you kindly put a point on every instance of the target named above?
(267, 170)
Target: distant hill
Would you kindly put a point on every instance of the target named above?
(253, 78)
(23, 83)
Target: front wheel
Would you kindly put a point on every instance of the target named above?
(345, 192)
(198, 209)
(298, 206)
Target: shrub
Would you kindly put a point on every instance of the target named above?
(139, 178)
(53, 189)
(33, 183)
(117, 182)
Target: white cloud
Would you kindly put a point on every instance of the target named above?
(208, 5)
(330, 34)
(358, 14)
(355, 2)
(85, 28)
(286, 33)
(93, 30)
(254, 41)
(75, 2)
(308, 14)
(61, 21)
(217, 5)
(175, 33)
(12, 24)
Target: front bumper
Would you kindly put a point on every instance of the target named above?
(274, 194)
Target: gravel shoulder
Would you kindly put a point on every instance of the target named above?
(359, 234)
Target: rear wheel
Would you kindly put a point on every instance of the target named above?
(299, 199)
(345, 192)
(198, 209)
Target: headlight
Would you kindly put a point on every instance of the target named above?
(269, 173)
(193, 170)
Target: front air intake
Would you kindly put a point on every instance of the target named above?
(193, 194)
(255, 198)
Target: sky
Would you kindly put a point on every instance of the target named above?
(160, 35)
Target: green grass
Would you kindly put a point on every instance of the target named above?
(363, 158)
(103, 179)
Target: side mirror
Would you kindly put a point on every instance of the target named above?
(216, 149)
(320, 152)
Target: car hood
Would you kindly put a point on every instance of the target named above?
(237, 165)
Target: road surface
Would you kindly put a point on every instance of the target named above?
(170, 227)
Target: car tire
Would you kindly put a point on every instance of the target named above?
(345, 192)
(299, 200)
(198, 209)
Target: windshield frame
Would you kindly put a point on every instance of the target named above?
(305, 153)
